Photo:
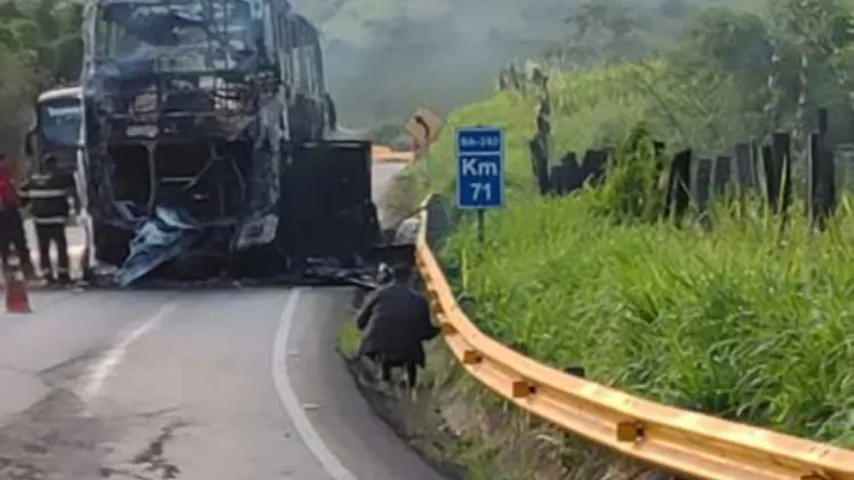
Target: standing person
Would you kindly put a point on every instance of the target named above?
(48, 193)
(11, 222)
(395, 321)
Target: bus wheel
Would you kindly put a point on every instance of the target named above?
(112, 245)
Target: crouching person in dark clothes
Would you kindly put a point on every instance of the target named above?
(395, 321)
(47, 194)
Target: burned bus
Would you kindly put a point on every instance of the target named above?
(205, 132)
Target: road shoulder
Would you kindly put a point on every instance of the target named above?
(327, 392)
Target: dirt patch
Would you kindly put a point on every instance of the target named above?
(415, 420)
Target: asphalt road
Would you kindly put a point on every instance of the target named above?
(230, 384)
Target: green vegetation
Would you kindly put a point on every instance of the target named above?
(736, 322)
(40, 46)
(727, 323)
(348, 339)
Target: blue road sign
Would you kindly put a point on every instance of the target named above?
(480, 168)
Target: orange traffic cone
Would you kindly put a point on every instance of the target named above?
(17, 298)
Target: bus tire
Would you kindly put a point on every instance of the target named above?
(112, 245)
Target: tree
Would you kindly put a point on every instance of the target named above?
(47, 31)
(599, 30)
(747, 74)
(40, 44)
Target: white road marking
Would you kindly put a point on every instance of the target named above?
(105, 367)
(285, 389)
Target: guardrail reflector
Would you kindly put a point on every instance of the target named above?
(472, 357)
(630, 431)
(522, 389)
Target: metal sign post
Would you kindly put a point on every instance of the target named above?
(480, 171)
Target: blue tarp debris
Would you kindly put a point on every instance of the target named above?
(164, 237)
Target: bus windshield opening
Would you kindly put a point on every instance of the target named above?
(59, 122)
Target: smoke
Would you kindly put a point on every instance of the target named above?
(384, 57)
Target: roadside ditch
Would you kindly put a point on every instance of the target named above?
(464, 430)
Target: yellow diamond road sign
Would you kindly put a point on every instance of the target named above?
(424, 126)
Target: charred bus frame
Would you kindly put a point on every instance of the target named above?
(197, 106)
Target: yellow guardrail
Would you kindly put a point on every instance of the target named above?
(683, 442)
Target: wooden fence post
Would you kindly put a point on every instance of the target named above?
(722, 176)
(539, 165)
(744, 168)
(573, 176)
(821, 202)
(781, 150)
(702, 184)
(772, 184)
(594, 166)
(678, 187)
(556, 184)
(755, 161)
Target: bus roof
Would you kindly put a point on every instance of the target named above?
(68, 92)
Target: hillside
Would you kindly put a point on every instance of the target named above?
(588, 280)
(385, 56)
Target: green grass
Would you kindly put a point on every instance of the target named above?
(730, 323)
(348, 339)
(725, 323)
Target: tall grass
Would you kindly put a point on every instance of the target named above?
(733, 322)
(729, 323)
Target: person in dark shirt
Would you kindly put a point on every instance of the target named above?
(395, 320)
(47, 194)
(11, 223)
